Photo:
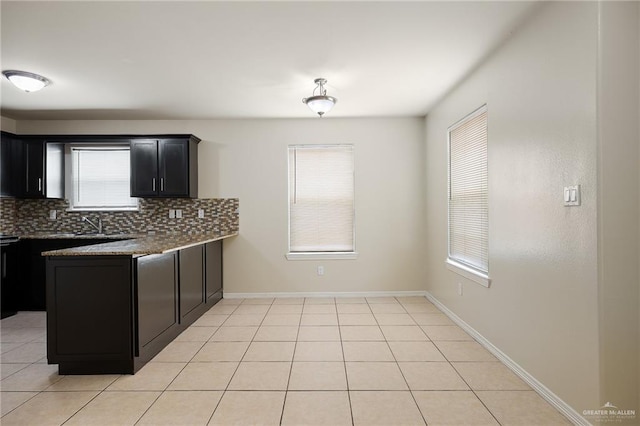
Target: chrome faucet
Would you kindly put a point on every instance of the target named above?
(98, 227)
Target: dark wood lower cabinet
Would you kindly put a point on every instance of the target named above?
(156, 296)
(213, 271)
(191, 284)
(31, 290)
(89, 314)
(113, 314)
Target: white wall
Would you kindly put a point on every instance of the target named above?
(541, 309)
(618, 209)
(7, 124)
(248, 159)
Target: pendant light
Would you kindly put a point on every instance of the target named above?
(320, 103)
(27, 81)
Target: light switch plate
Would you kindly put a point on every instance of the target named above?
(571, 195)
(172, 214)
(201, 213)
(178, 214)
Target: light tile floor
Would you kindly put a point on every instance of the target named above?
(318, 361)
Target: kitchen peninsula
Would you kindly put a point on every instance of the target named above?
(112, 307)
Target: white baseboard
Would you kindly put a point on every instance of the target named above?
(323, 294)
(541, 389)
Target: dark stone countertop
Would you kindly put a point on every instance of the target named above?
(141, 245)
(77, 236)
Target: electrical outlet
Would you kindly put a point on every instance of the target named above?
(172, 214)
(201, 213)
(459, 289)
(178, 214)
(53, 215)
(320, 270)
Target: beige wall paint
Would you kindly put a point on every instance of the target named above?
(618, 209)
(7, 124)
(541, 309)
(248, 159)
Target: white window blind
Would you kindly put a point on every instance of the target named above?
(321, 198)
(468, 192)
(101, 178)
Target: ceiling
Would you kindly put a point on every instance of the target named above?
(204, 60)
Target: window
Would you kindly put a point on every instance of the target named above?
(100, 178)
(468, 197)
(321, 201)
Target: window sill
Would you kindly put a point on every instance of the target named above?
(351, 255)
(465, 271)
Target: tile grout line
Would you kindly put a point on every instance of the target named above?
(176, 376)
(344, 366)
(295, 345)
(462, 378)
(451, 363)
(400, 369)
(82, 408)
(37, 393)
(239, 362)
(33, 340)
(20, 405)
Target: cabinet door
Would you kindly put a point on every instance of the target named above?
(33, 169)
(173, 161)
(144, 168)
(157, 299)
(213, 271)
(89, 317)
(32, 266)
(191, 282)
(9, 274)
(10, 160)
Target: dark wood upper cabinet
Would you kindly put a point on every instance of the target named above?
(144, 168)
(173, 162)
(38, 168)
(32, 166)
(10, 161)
(34, 169)
(164, 167)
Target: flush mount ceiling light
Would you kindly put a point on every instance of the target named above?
(320, 103)
(27, 81)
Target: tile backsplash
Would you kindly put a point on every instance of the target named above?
(33, 216)
(7, 215)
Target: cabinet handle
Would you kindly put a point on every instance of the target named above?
(4, 265)
(153, 184)
(39, 184)
(162, 184)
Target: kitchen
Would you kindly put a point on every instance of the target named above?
(139, 236)
(543, 256)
